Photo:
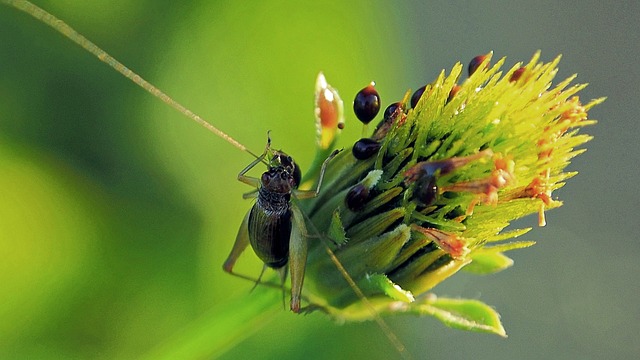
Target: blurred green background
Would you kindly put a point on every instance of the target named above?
(116, 213)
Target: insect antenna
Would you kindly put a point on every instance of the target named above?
(70, 33)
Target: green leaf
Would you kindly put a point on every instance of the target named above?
(464, 314)
(488, 263)
(336, 230)
(490, 259)
(381, 283)
(375, 225)
(508, 235)
(509, 246)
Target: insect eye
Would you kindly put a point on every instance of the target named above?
(265, 178)
(366, 105)
(297, 174)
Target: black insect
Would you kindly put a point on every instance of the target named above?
(275, 226)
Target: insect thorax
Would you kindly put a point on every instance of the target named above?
(273, 203)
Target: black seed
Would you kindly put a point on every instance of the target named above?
(357, 197)
(416, 96)
(388, 112)
(475, 63)
(365, 148)
(426, 190)
(453, 92)
(517, 74)
(366, 105)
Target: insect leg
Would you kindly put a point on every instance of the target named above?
(242, 241)
(297, 256)
(307, 194)
(250, 180)
(283, 271)
(298, 239)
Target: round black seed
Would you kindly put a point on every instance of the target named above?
(426, 190)
(475, 63)
(416, 96)
(388, 112)
(365, 148)
(366, 105)
(357, 197)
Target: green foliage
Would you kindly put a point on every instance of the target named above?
(463, 314)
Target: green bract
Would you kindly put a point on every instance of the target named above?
(492, 152)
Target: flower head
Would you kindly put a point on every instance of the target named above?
(442, 175)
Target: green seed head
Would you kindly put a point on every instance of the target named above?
(451, 173)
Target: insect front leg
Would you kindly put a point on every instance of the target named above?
(250, 180)
(307, 194)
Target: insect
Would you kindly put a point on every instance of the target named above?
(289, 223)
(274, 226)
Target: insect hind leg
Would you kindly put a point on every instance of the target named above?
(241, 243)
(283, 278)
(259, 279)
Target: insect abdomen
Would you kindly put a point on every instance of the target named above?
(269, 232)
